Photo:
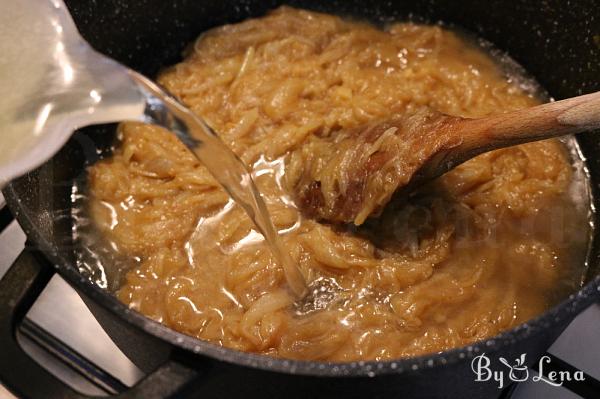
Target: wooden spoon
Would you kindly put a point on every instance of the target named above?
(352, 174)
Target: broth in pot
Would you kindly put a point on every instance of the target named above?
(489, 245)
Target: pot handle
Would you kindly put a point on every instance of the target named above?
(19, 288)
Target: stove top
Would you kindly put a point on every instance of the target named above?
(61, 334)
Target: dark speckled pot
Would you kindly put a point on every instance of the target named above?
(557, 41)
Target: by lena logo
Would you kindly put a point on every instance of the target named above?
(519, 372)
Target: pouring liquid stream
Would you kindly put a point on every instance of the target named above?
(224, 166)
(57, 83)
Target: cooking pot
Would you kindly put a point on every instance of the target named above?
(557, 42)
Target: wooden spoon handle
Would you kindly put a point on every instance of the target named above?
(554, 119)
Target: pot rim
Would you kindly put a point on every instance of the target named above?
(572, 305)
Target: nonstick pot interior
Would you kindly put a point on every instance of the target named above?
(557, 43)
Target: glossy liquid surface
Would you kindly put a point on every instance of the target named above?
(54, 82)
(489, 245)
